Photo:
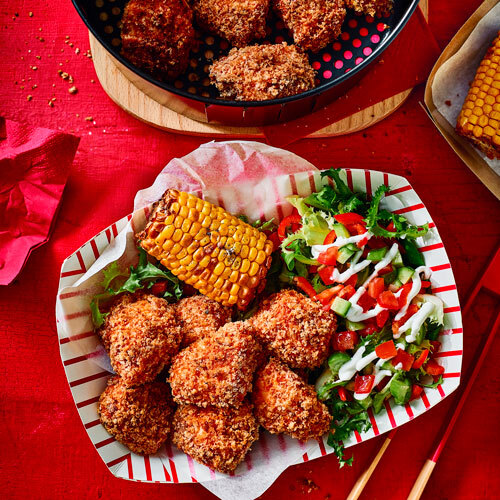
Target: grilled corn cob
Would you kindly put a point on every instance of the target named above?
(479, 120)
(208, 248)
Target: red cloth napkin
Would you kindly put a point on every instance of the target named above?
(404, 64)
(34, 163)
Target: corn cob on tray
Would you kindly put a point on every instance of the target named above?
(208, 248)
(479, 120)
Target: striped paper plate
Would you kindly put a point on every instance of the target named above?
(87, 367)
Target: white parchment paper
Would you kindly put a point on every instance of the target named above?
(451, 82)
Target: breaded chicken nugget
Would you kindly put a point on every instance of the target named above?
(285, 403)
(370, 7)
(141, 417)
(216, 437)
(157, 36)
(313, 23)
(141, 334)
(262, 72)
(199, 316)
(216, 370)
(294, 328)
(239, 21)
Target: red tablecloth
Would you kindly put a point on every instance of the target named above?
(45, 452)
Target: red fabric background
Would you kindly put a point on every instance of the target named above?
(45, 452)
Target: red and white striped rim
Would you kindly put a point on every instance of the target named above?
(87, 379)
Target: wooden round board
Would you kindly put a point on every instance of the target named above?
(124, 93)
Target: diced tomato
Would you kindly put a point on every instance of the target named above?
(386, 350)
(343, 394)
(330, 237)
(424, 286)
(388, 300)
(416, 391)
(305, 286)
(404, 295)
(362, 243)
(348, 218)
(366, 251)
(404, 358)
(376, 287)
(366, 302)
(313, 269)
(342, 341)
(420, 360)
(286, 222)
(363, 384)
(412, 309)
(382, 318)
(352, 280)
(159, 288)
(325, 273)
(326, 296)
(275, 239)
(436, 347)
(433, 368)
(391, 227)
(356, 228)
(369, 330)
(329, 257)
(386, 270)
(347, 292)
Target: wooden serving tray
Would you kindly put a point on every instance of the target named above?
(143, 107)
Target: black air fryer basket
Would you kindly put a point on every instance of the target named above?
(339, 65)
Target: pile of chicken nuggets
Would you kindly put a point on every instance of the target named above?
(187, 373)
(158, 35)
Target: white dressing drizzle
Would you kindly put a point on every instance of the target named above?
(415, 289)
(339, 242)
(348, 369)
(416, 321)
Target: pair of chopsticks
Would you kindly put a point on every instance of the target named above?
(490, 282)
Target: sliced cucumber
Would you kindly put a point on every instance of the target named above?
(405, 274)
(377, 254)
(353, 325)
(344, 255)
(353, 247)
(398, 260)
(396, 284)
(390, 277)
(341, 306)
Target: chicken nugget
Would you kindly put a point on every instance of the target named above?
(370, 7)
(217, 370)
(262, 72)
(141, 417)
(141, 334)
(157, 36)
(313, 23)
(284, 403)
(216, 437)
(238, 21)
(294, 328)
(200, 316)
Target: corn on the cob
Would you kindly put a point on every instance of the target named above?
(208, 248)
(479, 120)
